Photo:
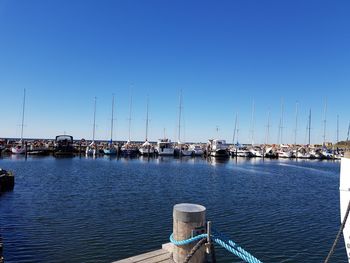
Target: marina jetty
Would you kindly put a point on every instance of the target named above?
(65, 145)
(192, 240)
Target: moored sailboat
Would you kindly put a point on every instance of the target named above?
(20, 148)
(111, 149)
(146, 148)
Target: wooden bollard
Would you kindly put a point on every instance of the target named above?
(188, 220)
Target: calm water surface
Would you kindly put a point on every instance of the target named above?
(100, 210)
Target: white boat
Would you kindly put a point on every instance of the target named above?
(217, 148)
(164, 147)
(183, 149)
(146, 148)
(91, 149)
(344, 192)
(196, 149)
(240, 151)
(284, 151)
(19, 148)
(255, 151)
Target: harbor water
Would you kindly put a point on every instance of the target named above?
(106, 209)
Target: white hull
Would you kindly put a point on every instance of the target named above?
(243, 153)
(18, 150)
(145, 150)
(90, 151)
(344, 200)
(165, 151)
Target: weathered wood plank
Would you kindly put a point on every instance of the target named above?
(156, 256)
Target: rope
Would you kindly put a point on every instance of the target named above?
(186, 241)
(218, 238)
(338, 234)
(194, 250)
(236, 247)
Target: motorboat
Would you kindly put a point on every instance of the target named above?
(196, 149)
(217, 148)
(63, 146)
(164, 147)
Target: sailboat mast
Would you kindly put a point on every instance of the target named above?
(252, 122)
(234, 131)
(296, 123)
(93, 130)
(280, 128)
(337, 128)
(309, 127)
(130, 117)
(112, 118)
(180, 106)
(24, 101)
(147, 120)
(324, 123)
(267, 128)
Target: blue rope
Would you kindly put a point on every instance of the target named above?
(223, 241)
(235, 246)
(186, 241)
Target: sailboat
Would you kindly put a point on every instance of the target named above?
(91, 148)
(19, 148)
(146, 148)
(182, 149)
(111, 150)
(128, 149)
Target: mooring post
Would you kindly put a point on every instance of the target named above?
(188, 221)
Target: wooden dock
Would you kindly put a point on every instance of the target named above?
(162, 255)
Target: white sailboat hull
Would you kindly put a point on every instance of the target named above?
(146, 150)
(18, 150)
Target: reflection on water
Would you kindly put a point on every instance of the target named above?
(94, 210)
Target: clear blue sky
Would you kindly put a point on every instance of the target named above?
(222, 54)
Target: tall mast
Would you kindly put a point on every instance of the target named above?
(180, 106)
(234, 131)
(94, 126)
(280, 128)
(112, 118)
(267, 128)
(296, 123)
(147, 120)
(130, 106)
(24, 101)
(252, 123)
(309, 127)
(337, 128)
(324, 123)
(237, 127)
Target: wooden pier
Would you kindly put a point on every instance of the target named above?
(163, 255)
